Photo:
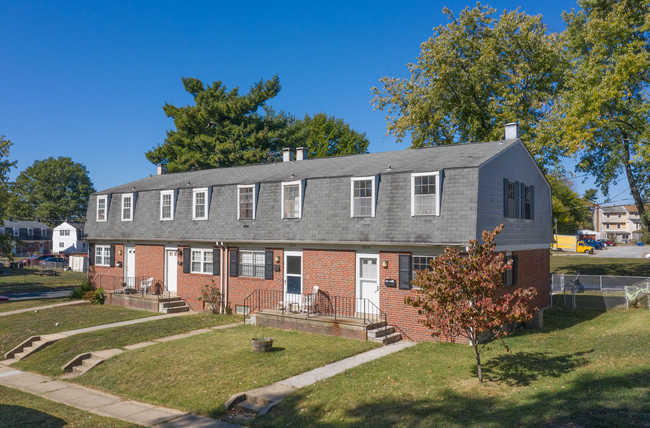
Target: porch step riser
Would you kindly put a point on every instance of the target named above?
(177, 309)
(378, 333)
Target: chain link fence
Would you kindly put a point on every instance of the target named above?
(599, 292)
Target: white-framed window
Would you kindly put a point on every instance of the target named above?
(64, 232)
(607, 215)
(618, 226)
(200, 204)
(127, 207)
(102, 255)
(201, 260)
(101, 208)
(43, 232)
(30, 232)
(292, 199)
(61, 244)
(607, 226)
(362, 197)
(16, 231)
(425, 193)
(246, 200)
(251, 263)
(421, 263)
(167, 205)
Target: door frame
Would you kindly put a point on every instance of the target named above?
(167, 249)
(357, 279)
(294, 298)
(126, 263)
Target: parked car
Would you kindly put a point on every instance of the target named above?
(35, 259)
(593, 243)
(607, 242)
(52, 262)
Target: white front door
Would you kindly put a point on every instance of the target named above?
(293, 277)
(367, 282)
(171, 270)
(129, 267)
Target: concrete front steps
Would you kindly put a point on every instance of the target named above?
(245, 406)
(172, 305)
(384, 334)
(31, 345)
(86, 361)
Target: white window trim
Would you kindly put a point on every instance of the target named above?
(239, 263)
(171, 199)
(16, 231)
(124, 196)
(300, 184)
(374, 194)
(438, 193)
(30, 232)
(105, 199)
(43, 231)
(104, 261)
(205, 201)
(202, 251)
(247, 186)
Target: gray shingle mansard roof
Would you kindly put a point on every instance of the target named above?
(471, 195)
(412, 160)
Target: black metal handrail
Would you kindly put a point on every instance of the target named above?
(120, 283)
(320, 303)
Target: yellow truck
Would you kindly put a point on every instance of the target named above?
(571, 243)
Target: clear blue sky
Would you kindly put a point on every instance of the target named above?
(88, 79)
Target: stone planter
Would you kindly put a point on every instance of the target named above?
(262, 344)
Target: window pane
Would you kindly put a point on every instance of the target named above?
(291, 201)
(368, 268)
(246, 203)
(199, 204)
(425, 204)
(362, 198)
(293, 265)
(363, 207)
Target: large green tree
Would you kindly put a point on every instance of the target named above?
(5, 167)
(474, 75)
(602, 114)
(327, 135)
(223, 128)
(52, 190)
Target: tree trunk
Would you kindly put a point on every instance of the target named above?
(478, 362)
(632, 182)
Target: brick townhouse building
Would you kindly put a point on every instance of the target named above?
(357, 226)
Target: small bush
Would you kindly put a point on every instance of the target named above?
(212, 296)
(81, 291)
(96, 297)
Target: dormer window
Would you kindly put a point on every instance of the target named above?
(362, 197)
(16, 231)
(101, 208)
(200, 204)
(292, 199)
(127, 207)
(425, 194)
(167, 205)
(30, 232)
(246, 202)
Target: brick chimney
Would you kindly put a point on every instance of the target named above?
(161, 169)
(288, 154)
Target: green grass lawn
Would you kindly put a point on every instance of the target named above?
(18, 327)
(19, 409)
(587, 265)
(15, 305)
(586, 368)
(49, 360)
(24, 279)
(200, 373)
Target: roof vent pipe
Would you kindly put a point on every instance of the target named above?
(301, 153)
(288, 154)
(512, 131)
(161, 169)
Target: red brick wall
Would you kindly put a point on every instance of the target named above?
(190, 284)
(240, 287)
(110, 278)
(334, 272)
(150, 263)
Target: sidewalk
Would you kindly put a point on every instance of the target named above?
(102, 403)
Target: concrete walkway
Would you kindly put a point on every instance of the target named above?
(101, 403)
(38, 308)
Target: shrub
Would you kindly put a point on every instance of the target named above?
(210, 293)
(96, 297)
(81, 291)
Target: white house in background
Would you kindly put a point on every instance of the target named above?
(69, 238)
(619, 222)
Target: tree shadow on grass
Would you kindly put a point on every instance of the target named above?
(620, 400)
(19, 416)
(522, 368)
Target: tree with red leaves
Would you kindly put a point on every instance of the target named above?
(459, 296)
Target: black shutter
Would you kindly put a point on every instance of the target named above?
(517, 212)
(112, 258)
(216, 261)
(504, 275)
(405, 272)
(515, 268)
(234, 262)
(522, 200)
(187, 260)
(91, 255)
(532, 202)
(268, 264)
(505, 198)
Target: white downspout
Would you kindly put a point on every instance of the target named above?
(222, 308)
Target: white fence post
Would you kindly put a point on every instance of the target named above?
(600, 277)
